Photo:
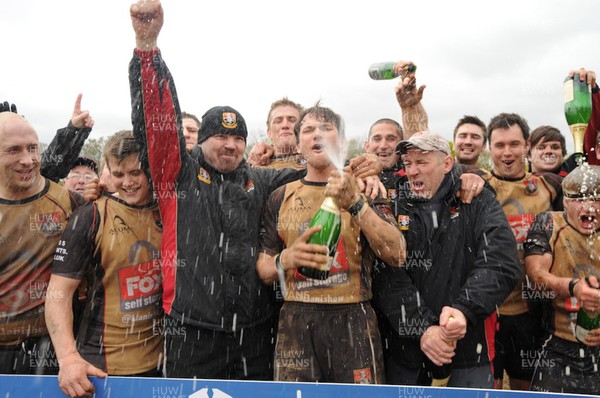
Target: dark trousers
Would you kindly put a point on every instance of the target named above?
(246, 354)
(567, 367)
(35, 356)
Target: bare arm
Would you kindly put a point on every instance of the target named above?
(414, 116)
(299, 254)
(72, 376)
(537, 267)
(385, 239)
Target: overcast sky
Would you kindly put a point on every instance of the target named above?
(476, 57)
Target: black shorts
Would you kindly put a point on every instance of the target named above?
(35, 356)
(336, 343)
(518, 342)
(246, 354)
(567, 367)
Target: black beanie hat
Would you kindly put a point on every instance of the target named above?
(222, 120)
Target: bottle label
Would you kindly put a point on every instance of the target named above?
(581, 333)
(568, 90)
(327, 267)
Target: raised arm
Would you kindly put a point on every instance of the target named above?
(155, 113)
(414, 116)
(60, 156)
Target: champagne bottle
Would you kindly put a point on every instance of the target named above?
(385, 70)
(586, 321)
(330, 219)
(578, 108)
(440, 375)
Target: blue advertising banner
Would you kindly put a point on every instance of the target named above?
(117, 387)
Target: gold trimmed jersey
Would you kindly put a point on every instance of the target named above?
(292, 161)
(29, 231)
(574, 255)
(117, 247)
(522, 199)
(287, 215)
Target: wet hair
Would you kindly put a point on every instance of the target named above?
(185, 115)
(283, 102)
(394, 123)
(583, 181)
(505, 121)
(546, 134)
(120, 146)
(324, 114)
(467, 119)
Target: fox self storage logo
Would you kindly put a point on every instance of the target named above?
(140, 285)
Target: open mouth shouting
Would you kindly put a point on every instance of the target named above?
(588, 221)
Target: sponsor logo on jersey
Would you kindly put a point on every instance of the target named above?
(339, 274)
(363, 376)
(571, 304)
(120, 226)
(140, 285)
(520, 223)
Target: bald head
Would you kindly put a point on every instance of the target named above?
(19, 158)
(11, 123)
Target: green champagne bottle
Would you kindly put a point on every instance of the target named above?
(385, 70)
(578, 108)
(330, 219)
(586, 321)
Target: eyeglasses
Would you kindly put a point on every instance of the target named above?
(77, 176)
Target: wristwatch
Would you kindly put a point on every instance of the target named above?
(572, 284)
(355, 209)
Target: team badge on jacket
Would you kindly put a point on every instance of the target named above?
(392, 194)
(249, 186)
(403, 222)
(454, 212)
(229, 120)
(204, 176)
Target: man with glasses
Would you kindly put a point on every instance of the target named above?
(85, 170)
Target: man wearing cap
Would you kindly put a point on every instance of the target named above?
(218, 313)
(461, 263)
(85, 170)
(562, 259)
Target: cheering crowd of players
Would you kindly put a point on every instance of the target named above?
(176, 257)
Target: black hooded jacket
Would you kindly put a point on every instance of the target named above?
(211, 219)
